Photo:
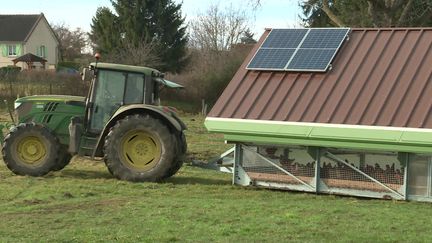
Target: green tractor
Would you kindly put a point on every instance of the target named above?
(120, 120)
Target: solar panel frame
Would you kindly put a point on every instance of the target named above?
(343, 36)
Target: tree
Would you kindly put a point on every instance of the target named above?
(105, 31)
(367, 13)
(218, 30)
(248, 37)
(142, 54)
(158, 23)
(72, 42)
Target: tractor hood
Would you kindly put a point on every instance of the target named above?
(58, 98)
(50, 98)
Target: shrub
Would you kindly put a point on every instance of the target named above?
(34, 82)
(73, 65)
(9, 70)
(207, 75)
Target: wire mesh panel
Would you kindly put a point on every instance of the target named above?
(358, 171)
(290, 166)
(349, 172)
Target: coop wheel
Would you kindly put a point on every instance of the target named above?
(30, 149)
(63, 159)
(139, 148)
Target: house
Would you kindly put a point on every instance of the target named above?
(360, 126)
(22, 34)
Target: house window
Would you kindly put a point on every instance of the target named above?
(42, 51)
(12, 50)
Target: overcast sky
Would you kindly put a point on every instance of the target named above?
(78, 13)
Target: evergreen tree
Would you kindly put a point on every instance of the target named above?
(143, 21)
(248, 37)
(105, 33)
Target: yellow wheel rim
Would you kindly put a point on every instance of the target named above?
(140, 150)
(31, 150)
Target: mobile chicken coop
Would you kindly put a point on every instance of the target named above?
(333, 110)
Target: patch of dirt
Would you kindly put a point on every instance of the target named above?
(33, 201)
(61, 208)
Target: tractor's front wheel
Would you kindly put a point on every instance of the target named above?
(30, 149)
(139, 148)
(63, 159)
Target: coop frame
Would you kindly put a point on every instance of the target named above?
(244, 177)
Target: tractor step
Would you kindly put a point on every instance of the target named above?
(87, 145)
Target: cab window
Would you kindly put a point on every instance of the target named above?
(134, 89)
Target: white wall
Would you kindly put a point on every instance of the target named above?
(42, 35)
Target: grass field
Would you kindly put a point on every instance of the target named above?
(83, 203)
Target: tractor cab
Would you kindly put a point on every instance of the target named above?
(116, 85)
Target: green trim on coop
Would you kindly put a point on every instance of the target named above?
(415, 140)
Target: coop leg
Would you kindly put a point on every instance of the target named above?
(240, 176)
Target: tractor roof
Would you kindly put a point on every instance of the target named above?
(137, 69)
(127, 68)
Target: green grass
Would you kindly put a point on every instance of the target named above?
(83, 203)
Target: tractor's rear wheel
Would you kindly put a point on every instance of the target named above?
(30, 149)
(181, 146)
(139, 148)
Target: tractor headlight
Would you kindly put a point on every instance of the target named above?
(16, 105)
(23, 109)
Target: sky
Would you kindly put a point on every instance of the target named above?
(79, 13)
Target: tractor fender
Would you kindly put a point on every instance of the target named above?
(171, 120)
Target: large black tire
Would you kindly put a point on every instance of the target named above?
(180, 155)
(63, 159)
(30, 149)
(139, 148)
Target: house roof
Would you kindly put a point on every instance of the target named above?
(375, 97)
(380, 77)
(17, 27)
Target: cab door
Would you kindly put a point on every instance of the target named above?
(106, 98)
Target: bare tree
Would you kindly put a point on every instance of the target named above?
(218, 29)
(143, 54)
(72, 42)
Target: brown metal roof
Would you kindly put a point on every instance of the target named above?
(379, 77)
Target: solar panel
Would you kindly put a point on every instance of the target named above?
(310, 60)
(277, 49)
(271, 59)
(298, 49)
(324, 38)
(284, 38)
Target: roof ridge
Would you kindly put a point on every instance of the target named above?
(21, 14)
(358, 28)
(40, 16)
